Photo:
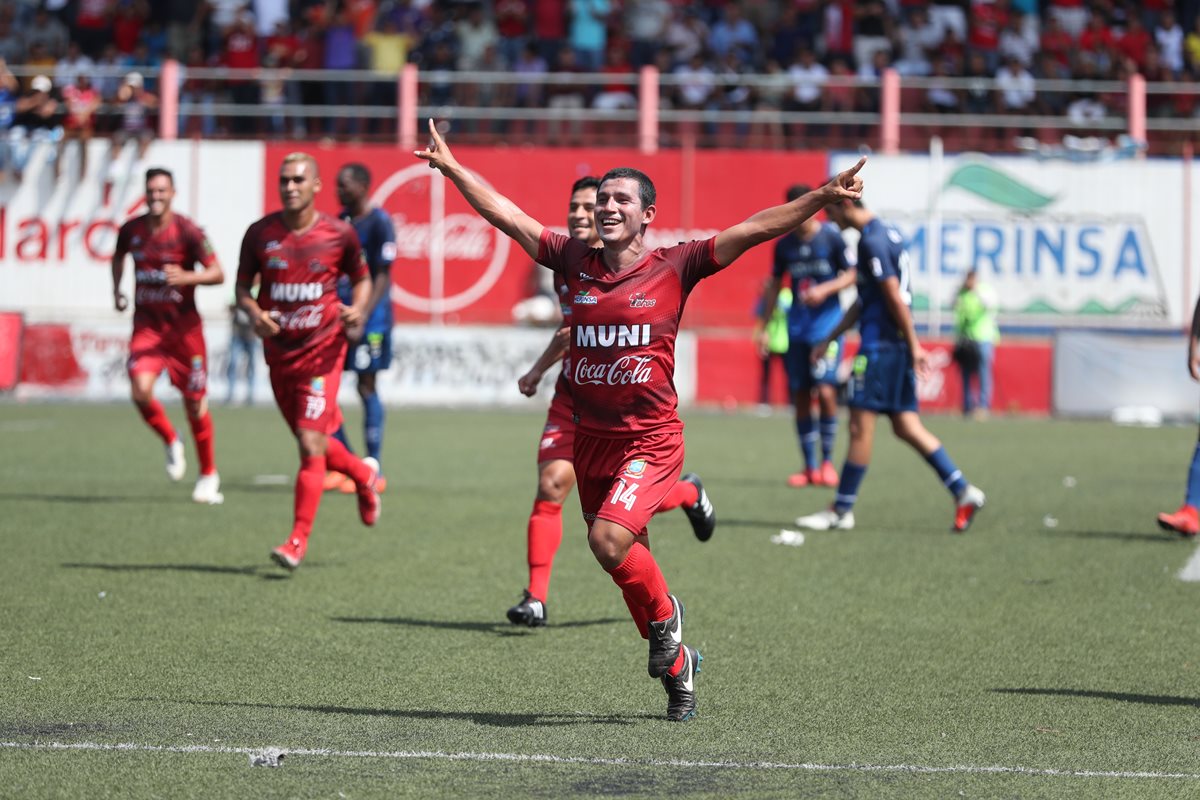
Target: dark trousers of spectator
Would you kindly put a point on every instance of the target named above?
(383, 95)
(764, 380)
(245, 94)
(341, 95)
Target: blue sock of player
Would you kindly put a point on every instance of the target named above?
(847, 491)
(808, 441)
(951, 475)
(373, 424)
(340, 435)
(1193, 486)
(828, 434)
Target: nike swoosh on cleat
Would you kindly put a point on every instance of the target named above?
(676, 634)
(691, 674)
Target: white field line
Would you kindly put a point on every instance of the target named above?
(603, 762)
(1191, 570)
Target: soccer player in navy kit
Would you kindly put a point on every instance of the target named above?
(373, 352)
(884, 381)
(819, 265)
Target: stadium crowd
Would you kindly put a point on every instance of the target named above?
(802, 48)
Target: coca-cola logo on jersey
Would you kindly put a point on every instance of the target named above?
(447, 256)
(144, 295)
(303, 318)
(625, 371)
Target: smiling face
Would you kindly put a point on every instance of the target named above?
(298, 184)
(581, 222)
(620, 215)
(160, 191)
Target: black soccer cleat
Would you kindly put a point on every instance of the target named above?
(701, 515)
(681, 690)
(665, 637)
(530, 612)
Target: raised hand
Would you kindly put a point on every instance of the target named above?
(437, 153)
(846, 185)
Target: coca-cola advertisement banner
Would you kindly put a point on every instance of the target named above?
(452, 266)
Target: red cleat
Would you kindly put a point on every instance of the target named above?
(829, 474)
(1185, 521)
(369, 504)
(809, 477)
(334, 480)
(289, 554)
(348, 486)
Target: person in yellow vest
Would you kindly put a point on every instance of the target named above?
(976, 335)
(772, 339)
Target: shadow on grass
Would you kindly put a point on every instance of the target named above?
(498, 628)
(494, 719)
(1124, 697)
(90, 499)
(766, 524)
(1126, 536)
(263, 571)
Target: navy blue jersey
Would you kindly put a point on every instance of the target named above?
(880, 256)
(808, 262)
(378, 240)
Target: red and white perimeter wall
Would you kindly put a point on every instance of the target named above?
(1058, 248)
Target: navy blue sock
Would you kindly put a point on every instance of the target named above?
(951, 475)
(340, 435)
(373, 425)
(808, 441)
(847, 491)
(829, 427)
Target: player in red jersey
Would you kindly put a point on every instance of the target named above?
(626, 301)
(556, 471)
(298, 254)
(167, 331)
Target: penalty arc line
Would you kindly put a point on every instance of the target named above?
(597, 761)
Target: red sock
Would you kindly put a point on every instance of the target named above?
(639, 615)
(342, 460)
(544, 535)
(678, 665)
(202, 432)
(642, 583)
(682, 493)
(156, 418)
(310, 485)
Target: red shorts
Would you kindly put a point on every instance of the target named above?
(180, 352)
(307, 402)
(558, 437)
(625, 480)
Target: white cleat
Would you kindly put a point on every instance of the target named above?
(208, 490)
(827, 520)
(176, 462)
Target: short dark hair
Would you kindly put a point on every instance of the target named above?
(646, 191)
(155, 172)
(586, 182)
(796, 191)
(358, 172)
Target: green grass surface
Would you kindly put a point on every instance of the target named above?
(150, 621)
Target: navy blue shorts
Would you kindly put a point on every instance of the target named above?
(803, 374)
(370, 354)
(883, 379)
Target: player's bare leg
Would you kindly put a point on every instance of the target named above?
(309, 480)
(968, 499)
(208, 485)
(141, 391)
(544, 533)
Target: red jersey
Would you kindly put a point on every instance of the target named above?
(298, 274)
(623, 327)
(180, 241)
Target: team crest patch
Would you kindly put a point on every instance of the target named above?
(639, 300)
(315, 266)
(636, 468)
(318, 385)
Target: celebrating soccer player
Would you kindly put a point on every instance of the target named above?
(556, 472)
(820, 265)
(167, 331)
(298, 255)
(372, 353)
(884, 381)
(626, 301)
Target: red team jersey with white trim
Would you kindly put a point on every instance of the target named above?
(180, 241)
(623, 327)
(299, 275)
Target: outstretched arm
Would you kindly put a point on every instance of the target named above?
(559, 344)
(774, 222)
(494, 207)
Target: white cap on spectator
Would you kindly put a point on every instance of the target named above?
(40, 83)
(134, 79)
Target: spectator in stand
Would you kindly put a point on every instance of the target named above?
(919, 39)
(12, 43)
(1049, 68)
(1072, 15)
(73, 64)
(135, 106)
(387, 52)
(950, 15)
(1191, 48)
(1015, 90)
(129, 17)
(941, 97)
(309, 55)
(734, 95)
(1056, 41)
(1016, 42)
(1135, 41)
(267, 16)
(37, 58)
(240, 51)
(550, 29)
(1154, 71)
(532, 94)
(808, 77)
(143, 61)
(787, 35)
(93, 25)
(870, 75)
(872, 31)
(185, 26)
(1168, 35)
(616, 95)
(977, 99)
(646, 23)
(696, 85)
(440, 62)
(686, 36)
(37, 122)
(441, 30)
(107, 81)
(81, 102)
(566, 98)
(476, 33)
(220, 15)
(837, 34)
(200, 92)
(361, 14)
(47, 30)
(734, 33)
(1097, 43)
(341, 53)
(589, 32)
(988, 18)
(512, 24)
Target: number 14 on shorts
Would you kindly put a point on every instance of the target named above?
(624, 494)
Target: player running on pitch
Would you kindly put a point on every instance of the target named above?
(167, 331)
(556, 472)
(298, 254)
(626, 302)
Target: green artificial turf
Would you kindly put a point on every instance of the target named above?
(1053, 637)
